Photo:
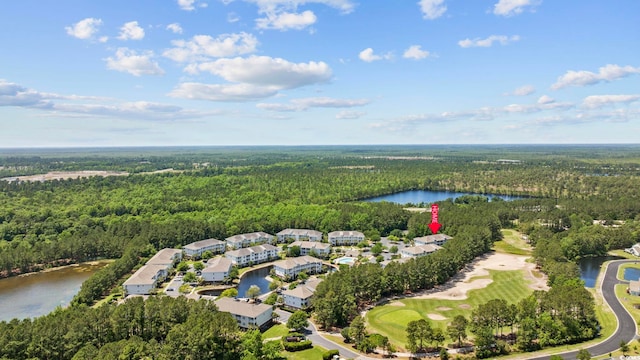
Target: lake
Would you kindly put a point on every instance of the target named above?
(38, 294)
(590, 268)
(429, 196)
(254, 277)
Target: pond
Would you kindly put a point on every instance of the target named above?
(38, 294)
(254, 277)
(429, 196)
(590, 268)
(631, 274)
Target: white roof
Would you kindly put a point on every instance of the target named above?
(251, 250)
(164, 257)
(203, 244)
(218, 264)
(242, 308)
(290, 263)
(145, 275)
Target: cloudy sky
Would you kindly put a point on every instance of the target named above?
(297, 72)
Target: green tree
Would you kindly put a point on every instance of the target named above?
(457, 329)
(583, 354)
(298, 320)
(253, 292)
(624, 347)
(357, 330)
(182, 267)
(189, 277)
(231, 292)
(198, 265)
(393, 249)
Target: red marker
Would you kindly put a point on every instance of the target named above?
(434, 226)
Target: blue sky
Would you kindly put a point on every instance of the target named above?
(296, 72)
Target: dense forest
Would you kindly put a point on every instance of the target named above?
(220, 192)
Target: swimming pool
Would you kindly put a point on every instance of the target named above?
(345, 261)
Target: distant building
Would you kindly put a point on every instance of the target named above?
(340, 238)
(307, 247)
(196, 249)
(634, 250)
(437, 239)
(291, 267)
(252, 255)
(217, 269)
(301, 296)
(287, 235)
(634, 287)
(248, 315)
(145, 280)
(166, 257)
(418, 251)
(245, 240)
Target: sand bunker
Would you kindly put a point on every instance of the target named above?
(443, 308)
(457, 288)
(436, 317)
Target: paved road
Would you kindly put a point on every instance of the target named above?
(626, 330)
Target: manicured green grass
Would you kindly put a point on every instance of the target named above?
(512, 243)
(391, 320)
(276, 331)
(315, 353)
(623, 254)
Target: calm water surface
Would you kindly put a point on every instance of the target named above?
(254, 277)
(38, 294)
(631, 274)
(428, 196)
(590, 268)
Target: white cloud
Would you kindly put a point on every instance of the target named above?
(432, 9)
(276, 6)
(415, 52)
(204, 47)
(127, 60)
(286, 20)
(487, 42)
(131, 31)
(266, 71)
(175, 28)
(347, 114)
(233, 17)
(513, 7)
(598, 101)
(12, 94)
(524, 90)
(544, 99)
(315, 102)
(605, 74)
(367, 55)
(84, 29)
(190, 5)
(218, 92)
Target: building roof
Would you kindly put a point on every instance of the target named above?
(634, 286)
(433, 238)
(164, 257)
(251, 250)
(311, 245)
(303, 232)
(421, 249)
(291, 263)
(145, 275)
(242, 308)
(301, 292)
(218, 264)
(349, 233)
(248, 236)
(203, 244)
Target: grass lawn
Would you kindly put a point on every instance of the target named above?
(391, 320)
(278, 331)
(512, 243)
(315, 353)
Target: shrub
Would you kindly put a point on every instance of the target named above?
(328, 355)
